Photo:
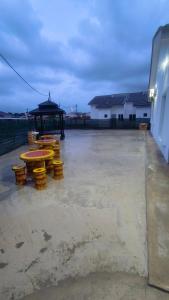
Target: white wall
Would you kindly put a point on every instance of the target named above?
(159, 80)
(141, 110)
(100, 113)
(94, 112)
(128, 110)
(125, 109)
(117, 110)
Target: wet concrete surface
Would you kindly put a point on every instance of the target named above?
(157, 216)
(97, 286)
(94, 220)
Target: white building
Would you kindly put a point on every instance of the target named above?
(130, 106)
(159, 89)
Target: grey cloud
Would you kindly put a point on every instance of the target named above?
(18, 18)
(111, 51)
(122, 47)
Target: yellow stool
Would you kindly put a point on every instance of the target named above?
(31, 138)
(20, 174)
(56, 149)
(48, 147)
(58, 169)
(57, 143)
(40, 178)
(143, 126)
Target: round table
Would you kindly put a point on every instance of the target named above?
(36, 159)
(47, 137)
(46, 143)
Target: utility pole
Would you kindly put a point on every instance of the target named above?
(27, 112)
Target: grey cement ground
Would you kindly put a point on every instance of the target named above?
(92, 221)
(105, 286)
(158, 216)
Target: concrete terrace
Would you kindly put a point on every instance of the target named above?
(91, 226)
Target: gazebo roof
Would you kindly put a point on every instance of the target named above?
(47, 108)
(48, 103)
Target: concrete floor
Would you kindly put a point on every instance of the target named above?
(93, 221)
(101, 286)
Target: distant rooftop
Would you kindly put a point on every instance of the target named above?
(107, 101)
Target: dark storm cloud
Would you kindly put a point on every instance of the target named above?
(109, 52)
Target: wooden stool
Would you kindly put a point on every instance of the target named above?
(56, 149)
(49, 165)
(57, 169)
(48, 147)
(40, 178)
(58, 143)
(31, 138)
(20, 174)
(143, 126)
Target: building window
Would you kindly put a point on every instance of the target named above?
(105, 116)
(145, 114)
(132, 117)
(120, 116)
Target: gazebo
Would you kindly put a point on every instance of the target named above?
(42, 115)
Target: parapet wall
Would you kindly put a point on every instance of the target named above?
(13, 133)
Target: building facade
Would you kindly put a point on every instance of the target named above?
(129, 106)
(159, 89)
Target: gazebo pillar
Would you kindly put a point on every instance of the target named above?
(62, 134)
(35, 122)
(41, 123)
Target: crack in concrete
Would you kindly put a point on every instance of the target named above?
(70, 251)
(35, 261)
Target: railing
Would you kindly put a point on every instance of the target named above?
(13, 132)
(113, 123)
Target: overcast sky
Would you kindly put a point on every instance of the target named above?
(77, 49)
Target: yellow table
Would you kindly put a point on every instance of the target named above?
(46, 143)
(36, 159)
(47, 137)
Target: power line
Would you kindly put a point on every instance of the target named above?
(7, 62)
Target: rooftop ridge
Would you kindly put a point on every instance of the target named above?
(137, 98)
(121, 94)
